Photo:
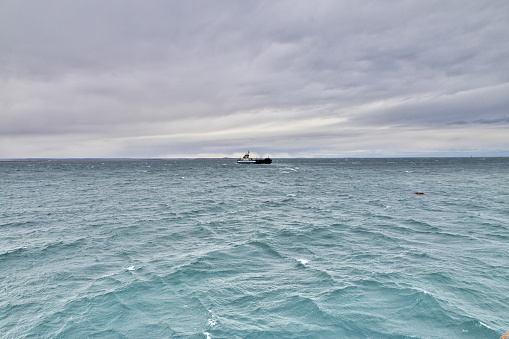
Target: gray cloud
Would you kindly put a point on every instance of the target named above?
(195, 78)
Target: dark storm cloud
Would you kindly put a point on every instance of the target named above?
(193, 76)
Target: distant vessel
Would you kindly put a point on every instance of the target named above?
(246, 159)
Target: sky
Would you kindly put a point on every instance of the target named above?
(202, 78)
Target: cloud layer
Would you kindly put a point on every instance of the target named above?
(286, 78)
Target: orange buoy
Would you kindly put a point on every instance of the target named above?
(505, 336)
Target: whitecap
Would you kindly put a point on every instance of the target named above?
(130, 268)
(288, 169)
(212, 320)
(483, 324)
(303, 262)
(207, 335)
(424, 291)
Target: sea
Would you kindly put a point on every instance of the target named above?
(300, 248)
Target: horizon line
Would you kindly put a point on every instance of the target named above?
(233, 158)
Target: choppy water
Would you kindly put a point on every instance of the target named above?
(297, 249)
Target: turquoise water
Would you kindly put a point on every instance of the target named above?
(324, 248)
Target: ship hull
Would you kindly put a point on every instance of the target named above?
(255, 161)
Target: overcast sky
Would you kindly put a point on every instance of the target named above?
(120, 78)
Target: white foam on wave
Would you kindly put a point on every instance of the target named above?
(288, 170)
(483, 324)
(424, 291)
(130, 268)
(212, 320)
(207, 335)
(303, 262)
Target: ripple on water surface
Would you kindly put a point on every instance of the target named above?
(210, 249)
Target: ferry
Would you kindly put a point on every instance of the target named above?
(246, 159)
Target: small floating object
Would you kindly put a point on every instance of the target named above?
(505, 336)
(419, 193)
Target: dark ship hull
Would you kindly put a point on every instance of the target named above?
(248, 160)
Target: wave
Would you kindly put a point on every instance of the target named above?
(118, 309)
(382, 306)
(185, 249)
(15, 252)
(41, 249)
